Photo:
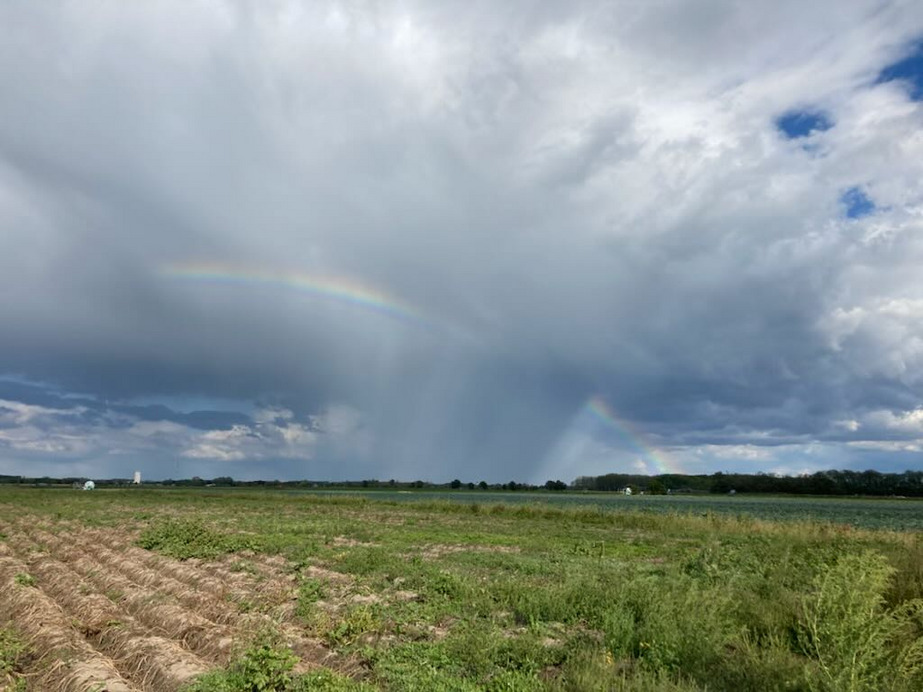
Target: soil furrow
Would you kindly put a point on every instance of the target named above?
(76, 666)
(153, 662)
(140, 581)
(210, 607)
(192, 631)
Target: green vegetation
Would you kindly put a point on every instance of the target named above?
(875, 483)
(439, 595)
(24, 579)
(858, 642)
(310, 591)
(13, 656)
(266, 666)
(188, 538)
(832, 482)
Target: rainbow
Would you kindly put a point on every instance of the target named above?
(338, 288)
(599, 410)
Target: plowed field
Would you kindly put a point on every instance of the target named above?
(103, 614)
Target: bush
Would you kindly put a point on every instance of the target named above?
(858, 643)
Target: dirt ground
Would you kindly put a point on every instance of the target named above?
(103, 614)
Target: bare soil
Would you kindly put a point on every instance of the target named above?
(103, 614)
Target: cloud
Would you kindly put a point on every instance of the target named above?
(591, 200)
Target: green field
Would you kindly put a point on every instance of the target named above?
(258, 590)
(899, 514)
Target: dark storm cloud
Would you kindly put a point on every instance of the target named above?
(591, 200)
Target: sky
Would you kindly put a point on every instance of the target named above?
(476, 240)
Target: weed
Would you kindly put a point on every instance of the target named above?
(357, 621)
(184, 539)
(858, 643)
(24, 579)
(310, 591)
(13, 656)
(265, 666)
(327, 681)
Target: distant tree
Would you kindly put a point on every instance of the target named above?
(483, 485)
(555, 485)
(456, 484)
(656, 487)
(720, 484)
(470, 486)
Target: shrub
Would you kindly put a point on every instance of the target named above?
(857, 642)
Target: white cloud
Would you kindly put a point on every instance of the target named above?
(18, 413)
(745, 452)
(889, 445)
(904, 421)
(850, 425)
(271, 414)
(263, 440)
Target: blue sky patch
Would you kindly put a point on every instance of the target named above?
(857, 203)
(909, 70)
(795, 124)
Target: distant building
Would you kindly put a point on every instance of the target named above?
(137, 480)
(628, 491)
(89, 485)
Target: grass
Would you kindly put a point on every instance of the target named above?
(441, 595)
(14, 654)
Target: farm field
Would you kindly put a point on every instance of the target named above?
(900, 514)
(153, 589)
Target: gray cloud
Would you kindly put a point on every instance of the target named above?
(572, 202)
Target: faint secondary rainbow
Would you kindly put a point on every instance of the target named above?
(597, 407)
(337, 288)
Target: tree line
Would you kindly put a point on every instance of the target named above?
(229, 482)
(875, 483)
(908, 483)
